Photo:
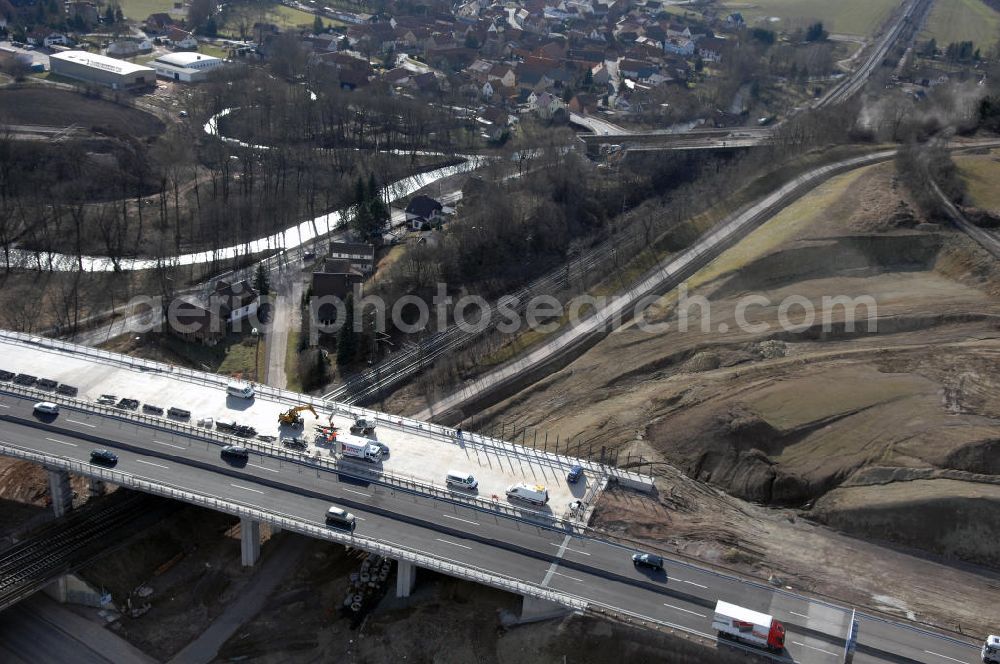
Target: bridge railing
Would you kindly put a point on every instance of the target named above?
(358, 469)
(397, 422)
(295, 524)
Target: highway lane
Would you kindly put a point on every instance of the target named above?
(596, 570)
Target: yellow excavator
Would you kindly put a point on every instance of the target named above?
(291, 416)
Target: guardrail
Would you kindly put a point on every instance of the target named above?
(398, 422)
(360, 470)
(389, 549)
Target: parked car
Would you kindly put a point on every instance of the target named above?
(103, 457)
(574, 475)
(650, 560)
(47, 407)
(235, 452)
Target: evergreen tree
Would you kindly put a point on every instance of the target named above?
(262, 281)
(318, 26)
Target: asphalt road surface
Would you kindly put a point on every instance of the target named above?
(598, 571)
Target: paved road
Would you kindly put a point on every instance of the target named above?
(273, 569)
(580, 565)
(41, 630)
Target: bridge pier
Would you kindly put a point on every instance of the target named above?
(97, 487)
(406, 578)
(60, 492)
(249, 541)
(534, 609)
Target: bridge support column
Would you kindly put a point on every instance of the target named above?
(534, 609)
(60, 492)
(249, 541)
(97, 487)
(406, 578)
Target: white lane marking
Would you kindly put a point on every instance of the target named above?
(150, 463)
(567, 576)
(62, 442)
(453, 543)
(360, 493)
(160, 442)
(3, 406)
(448, 516)
(694, 613)
(92, 426)
(801, 615)
(270, 470)
(937, 654)
(563, 547)
(246, 488)
(555, 563)
(835, 654)
(690, 583)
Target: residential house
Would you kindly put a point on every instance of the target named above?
(159, 23)
(422, 211)
(546, 105)
(710, 49)
(56, 38)
(502, 73)
(181, 39)
(360, 254)
(682, 46)
(198, 321)
(335, 279)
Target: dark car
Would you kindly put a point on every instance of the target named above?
(574, 475)
(650, 560)
(235, 452)
(103, 457)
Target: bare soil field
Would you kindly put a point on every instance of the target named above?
(61, 108)
(836, 422)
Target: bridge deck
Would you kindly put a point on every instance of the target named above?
(425, 457)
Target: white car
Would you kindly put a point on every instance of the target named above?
(47, 407)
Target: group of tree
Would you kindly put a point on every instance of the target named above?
(964, 51)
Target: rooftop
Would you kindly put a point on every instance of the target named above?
(185, 59)
(101, 62)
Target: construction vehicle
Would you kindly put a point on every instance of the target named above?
(363, 427)
(291, 416)
(750, 627)
(991, 650)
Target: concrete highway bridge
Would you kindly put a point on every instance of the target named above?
(734, 138)
(550, 556)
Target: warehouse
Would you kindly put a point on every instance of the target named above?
(102, 70)
(185, 66)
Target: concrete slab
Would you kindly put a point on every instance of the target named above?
(421, 456)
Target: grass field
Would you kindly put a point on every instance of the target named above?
(853, 17)
(963, 20)
(139, 10)
(982, 179)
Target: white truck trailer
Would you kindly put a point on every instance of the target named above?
(356, 447)
(991, 650)
(750, 627)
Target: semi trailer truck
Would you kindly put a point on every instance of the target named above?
(749, 627)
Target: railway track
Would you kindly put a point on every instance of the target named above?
(70, 543)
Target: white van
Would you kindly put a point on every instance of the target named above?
(241, 390)
(461, 480)
(536, 495)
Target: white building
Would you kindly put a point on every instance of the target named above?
(102, 70)
(185, 66)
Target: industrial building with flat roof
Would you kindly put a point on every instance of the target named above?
(185, 66)
(102, 70)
